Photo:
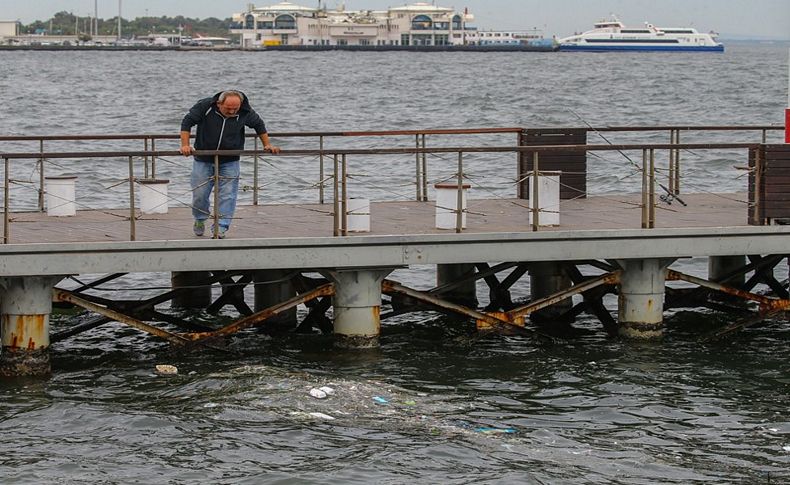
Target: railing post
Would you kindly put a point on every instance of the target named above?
(459, 204)
(132, 228)
(215, 229)
(424, 172)
(535, 195)
(418, 180)
(676, 188)
(321, 170)
(644, 189)
(336, 201)
(6, 202)
(145, 159)
(153, 158)
(671, 181)
(765, 137)
(344, 203)
(652, 190)
(519, 155)
(255, 174)
(758, 185)
(41, 177)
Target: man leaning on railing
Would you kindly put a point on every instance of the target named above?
(220, 124)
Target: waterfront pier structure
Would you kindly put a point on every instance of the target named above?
(303, 254)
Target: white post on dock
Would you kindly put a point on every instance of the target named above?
(25, 306)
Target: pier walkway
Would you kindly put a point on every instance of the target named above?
(629, 239)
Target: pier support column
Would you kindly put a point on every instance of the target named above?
(721, 266)
(25, 306)
(465, 294)
(641, 299)
(357, 306)
(198, 294)
(546, 278)
(273, 286)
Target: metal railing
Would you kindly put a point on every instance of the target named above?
(340, 173)
(149, 142)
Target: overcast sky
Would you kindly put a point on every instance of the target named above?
(751, 18)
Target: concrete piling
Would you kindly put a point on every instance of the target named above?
(641, 299)
(25, 307)
(272, 287)
(547, 278)
(357, 307)
(464, 294)
(197, 294)
(720, 266)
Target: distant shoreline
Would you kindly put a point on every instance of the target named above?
(299, 48)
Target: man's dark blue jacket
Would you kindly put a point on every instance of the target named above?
(215, 132)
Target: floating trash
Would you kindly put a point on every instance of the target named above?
(322, 416)
(318, 393)
(786, 448)
(166, 370)
(380, 400)
(327, 390)
(495, 430)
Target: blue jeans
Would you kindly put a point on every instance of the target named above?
(203, 186)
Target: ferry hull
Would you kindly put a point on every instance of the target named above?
(640, 48)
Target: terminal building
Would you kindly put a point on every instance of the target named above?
(8, 28)
(419, 24)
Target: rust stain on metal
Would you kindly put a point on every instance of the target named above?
(376, 310)
(485, 325)
(763, 300)
(323, 290)
(28, 331)
(606, 279)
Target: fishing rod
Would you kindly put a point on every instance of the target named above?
(666, 198)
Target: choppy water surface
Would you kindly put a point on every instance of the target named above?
(436, 403)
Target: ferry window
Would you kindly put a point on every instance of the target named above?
(457, 22)
(249, 22)
(266, 25)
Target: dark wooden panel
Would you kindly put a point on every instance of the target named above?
(572, 164)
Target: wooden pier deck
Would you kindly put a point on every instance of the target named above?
(387, 218)
(403, 234)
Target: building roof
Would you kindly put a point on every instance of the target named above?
(421, 7)
(286, 7)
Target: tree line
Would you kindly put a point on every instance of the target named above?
(66, 23)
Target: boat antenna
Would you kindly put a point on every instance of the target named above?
(668, 197)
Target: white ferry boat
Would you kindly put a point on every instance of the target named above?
(612, 35)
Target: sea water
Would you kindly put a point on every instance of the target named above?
(436, 403)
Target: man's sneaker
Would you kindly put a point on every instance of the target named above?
(220, 233)
(199, 228)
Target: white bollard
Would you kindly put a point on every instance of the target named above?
(153, 196)
(548, 198)
(358, 211)
(447, 205)
(61, 198)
